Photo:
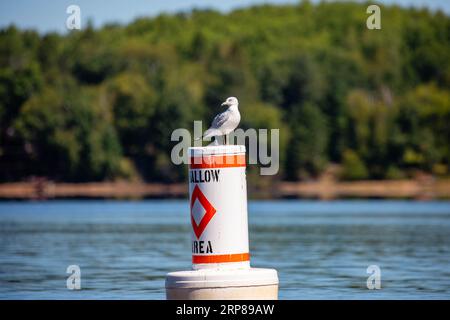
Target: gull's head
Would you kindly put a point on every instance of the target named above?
(231, 101)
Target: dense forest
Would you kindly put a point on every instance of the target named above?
(101, 104)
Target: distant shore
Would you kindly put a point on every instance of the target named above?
(423, 189)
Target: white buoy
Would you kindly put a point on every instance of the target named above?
(220, 249)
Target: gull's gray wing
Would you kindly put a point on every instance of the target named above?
(220, 119)
(217, 123)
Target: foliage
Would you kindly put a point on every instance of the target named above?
(102, 104)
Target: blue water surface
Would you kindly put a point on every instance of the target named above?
(320, 249)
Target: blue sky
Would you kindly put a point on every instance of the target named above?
(50, 15)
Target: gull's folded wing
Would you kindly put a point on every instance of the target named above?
(217, 123)
(220, 119)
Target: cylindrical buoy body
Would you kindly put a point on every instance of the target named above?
(220, 246)
(218, 207)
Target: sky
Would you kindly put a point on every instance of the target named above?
(50, 15)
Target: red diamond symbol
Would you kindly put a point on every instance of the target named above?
(197, 194)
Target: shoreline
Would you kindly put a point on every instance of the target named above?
(323, 189)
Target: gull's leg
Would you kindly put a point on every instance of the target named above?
(214, 142)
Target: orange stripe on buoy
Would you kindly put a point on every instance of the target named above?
(218, 161)
(219, 258)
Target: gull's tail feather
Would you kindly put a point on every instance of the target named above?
(211, 133)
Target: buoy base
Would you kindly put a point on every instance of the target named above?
(217, 284)
(231, 293)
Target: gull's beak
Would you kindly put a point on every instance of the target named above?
(224, 104)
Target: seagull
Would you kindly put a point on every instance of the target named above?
(224, 122)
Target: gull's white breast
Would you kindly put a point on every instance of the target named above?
(232, 122)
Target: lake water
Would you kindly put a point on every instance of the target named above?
(320, 249)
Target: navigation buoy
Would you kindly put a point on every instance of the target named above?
(220, 246)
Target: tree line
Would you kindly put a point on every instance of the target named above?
(100, 104)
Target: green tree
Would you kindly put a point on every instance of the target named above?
(353, 168)
(67, 136)
(306, 151)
